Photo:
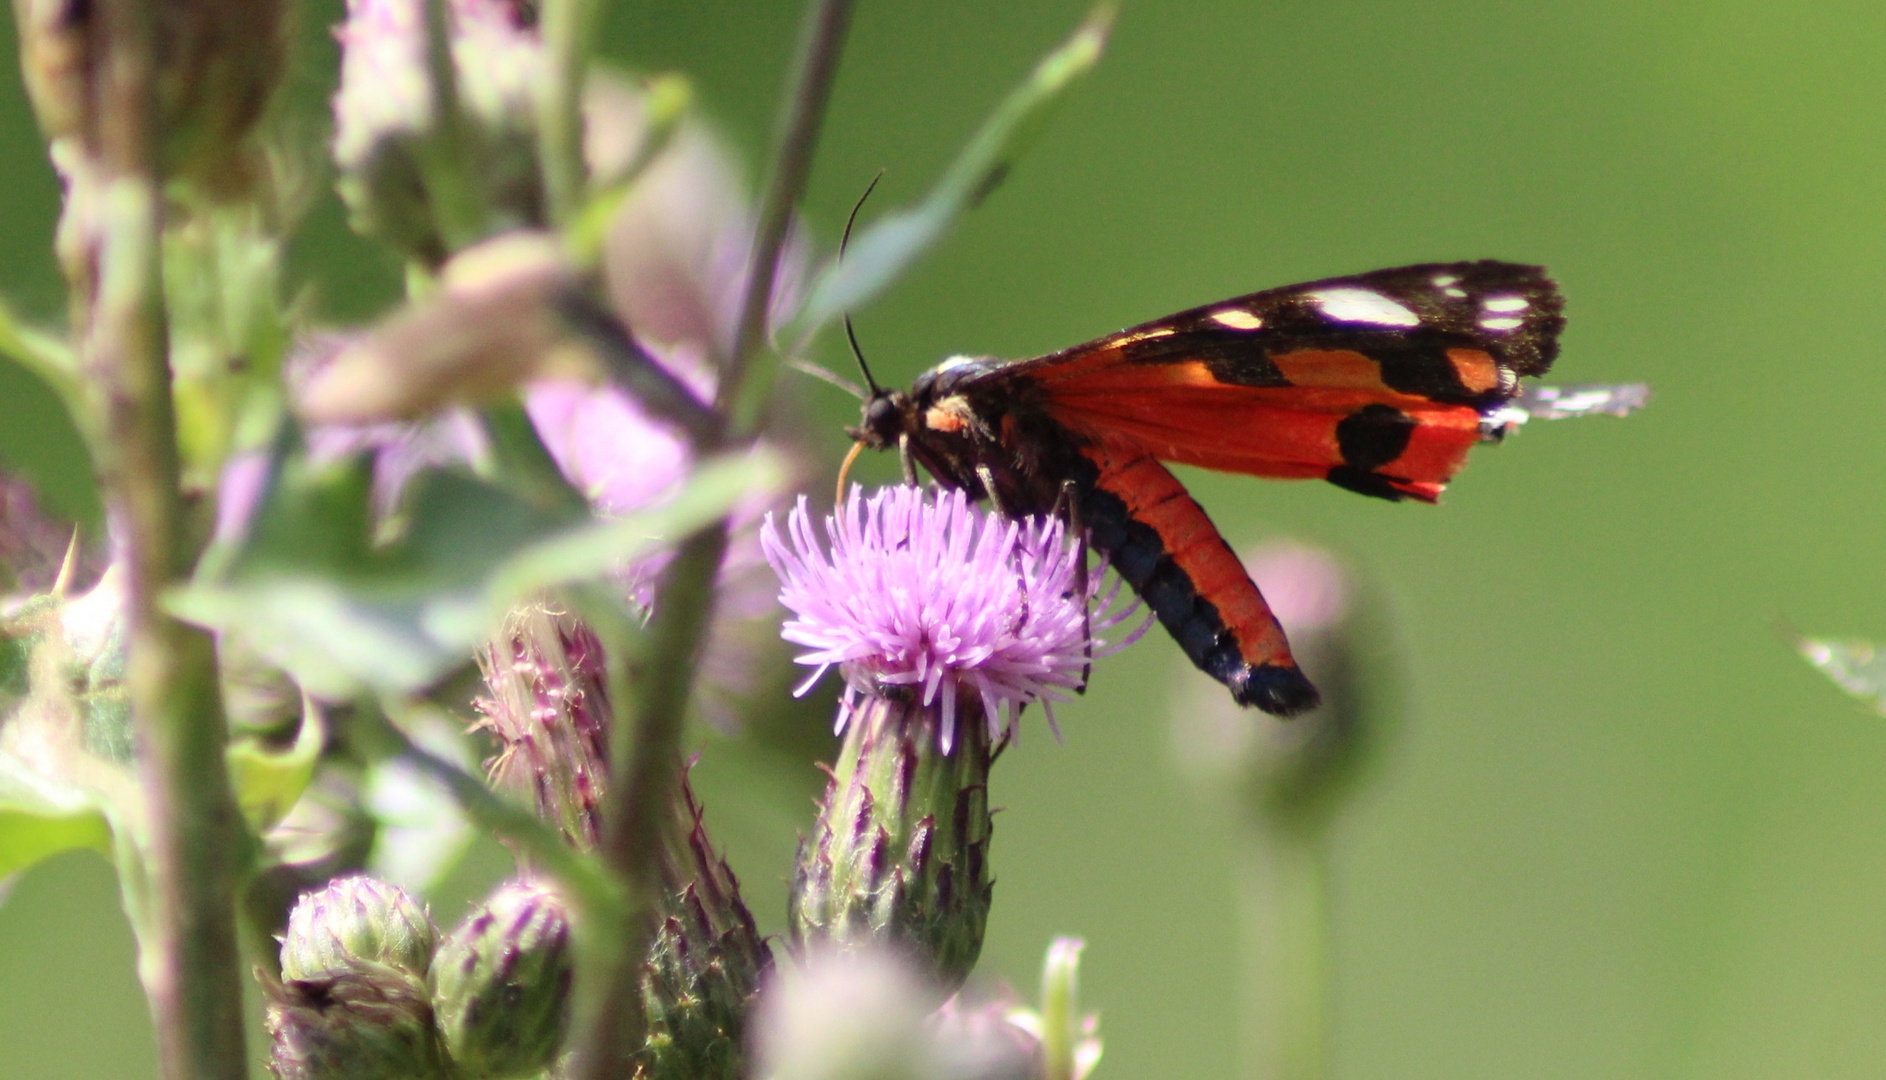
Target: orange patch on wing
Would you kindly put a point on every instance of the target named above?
(1155, 498)
(1334, 369)
(1475, 369)
(1286, 432)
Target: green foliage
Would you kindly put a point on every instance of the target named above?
(312, 590)
(40, 817)
(885, 249)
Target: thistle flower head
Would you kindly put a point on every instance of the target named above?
(930, 595)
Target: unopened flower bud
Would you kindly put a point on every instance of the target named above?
(374, 1023)
(977, 1040)
(1294, 771)
(357, 923)
(219, 62)
(548, 706)
(847, 1015)
(706, 962)
(390, 141)
(501, 984)
(899, 855)
(494, 322)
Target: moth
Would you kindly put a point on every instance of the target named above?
(1379, 383)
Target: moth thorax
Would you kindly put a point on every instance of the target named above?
(949, 415)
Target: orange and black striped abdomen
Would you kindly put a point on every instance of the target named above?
(1160, 541)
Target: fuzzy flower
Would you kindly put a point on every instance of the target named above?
(930, 595)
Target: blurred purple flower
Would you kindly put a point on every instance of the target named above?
(610, 448)
(676, 255)
(399, 451)
(931, 594)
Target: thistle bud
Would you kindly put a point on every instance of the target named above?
(1294, 772)
(501, 984)
(899, 854)
(852, 1015)
(374, 1023)
(357, 923)
(495, 322)
(548, 707)
(706, 962)
(977, 1039)
(219, 62)
(392, 144)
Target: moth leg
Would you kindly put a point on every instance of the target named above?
(1067, 506)
(903, 456)
(987, 476)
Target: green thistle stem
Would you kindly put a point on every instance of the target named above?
(569, 34)
(457, 200)
(194, 844)
(661, 676)
(1286, 962)
(745, 385)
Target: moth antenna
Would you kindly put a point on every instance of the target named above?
(843, 243)
(845, 471)
(807, 367)
(851, 335)
(845, 240)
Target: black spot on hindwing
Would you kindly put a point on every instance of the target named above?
(1373, 436)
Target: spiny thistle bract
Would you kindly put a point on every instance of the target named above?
(706, 962)
(900, 851)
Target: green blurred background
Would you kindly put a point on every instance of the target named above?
(1621, 830)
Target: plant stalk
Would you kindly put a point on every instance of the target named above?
(569, 34)
(194, 841)
(745, 385)
(1286, 954)
(644, 751)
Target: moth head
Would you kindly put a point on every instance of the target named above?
(883, 420)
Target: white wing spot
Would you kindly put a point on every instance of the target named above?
(1458, 294)
(1363, 306)
(1502, 322)
(1442, 281)
(1505, 303)
(1236, 319)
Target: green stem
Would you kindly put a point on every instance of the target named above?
(194, 844)
(644, 764)
(1286, 944)
(569, 34)
(745, 385)
(645, 751)
(450, 171)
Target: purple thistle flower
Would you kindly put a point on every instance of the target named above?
(931, 595)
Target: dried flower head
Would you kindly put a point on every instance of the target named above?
(927, 595)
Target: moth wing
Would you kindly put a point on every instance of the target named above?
(1380, 383)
